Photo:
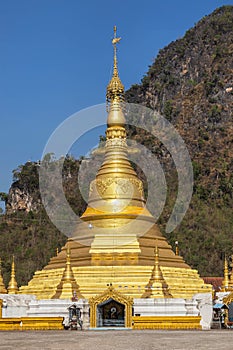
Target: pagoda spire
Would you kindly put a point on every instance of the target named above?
(157, 287)
(225, 283)
(157, 275)
(115, 40)
(68, 275)
(115, 88)
(13, 287)
(2, 286)
(68, 287)
(115, 91)
(231, 273)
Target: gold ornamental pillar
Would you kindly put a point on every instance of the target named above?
(68, 285)
(225, 282)
(230, 285)
(157, 287)
(2, 286)
(13, 287)
(0, 308)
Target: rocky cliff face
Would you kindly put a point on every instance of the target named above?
(23, 195)
(191, 84)
(20, 200)
(193, 74)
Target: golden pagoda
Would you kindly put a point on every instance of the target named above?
(68, 285)
(115, 242)
(225, 282)
(157, 287)
(2, 285)
(12, 287)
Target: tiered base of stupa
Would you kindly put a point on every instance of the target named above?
(129, 272)
(130, 280)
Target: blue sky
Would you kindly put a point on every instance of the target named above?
(56, 58)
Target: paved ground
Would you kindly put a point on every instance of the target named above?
(111, 340)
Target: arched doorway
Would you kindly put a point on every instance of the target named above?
(111, 309)
(111, 313)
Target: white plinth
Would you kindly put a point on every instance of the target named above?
(164, 307)
(16, 305)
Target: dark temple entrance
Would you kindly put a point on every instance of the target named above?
(111, 313)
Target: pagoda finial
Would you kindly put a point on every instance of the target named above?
(157, 273)
(115, 89)
(2, 286)
(68, 273)
(231, 272)
(157, 287)
(67, 287)
(226, 275)
(115, 40)
(13, 287)
(177, 248)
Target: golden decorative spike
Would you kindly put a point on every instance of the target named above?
(13, 287)
(68, 273)
(115, 88)
(57, 251)
(115, 40)
(157, 273)
(177, 247)
(2, 286)
(68, 287)
(157, 287)
(226, 276)
(1, 302)
(231, 274)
